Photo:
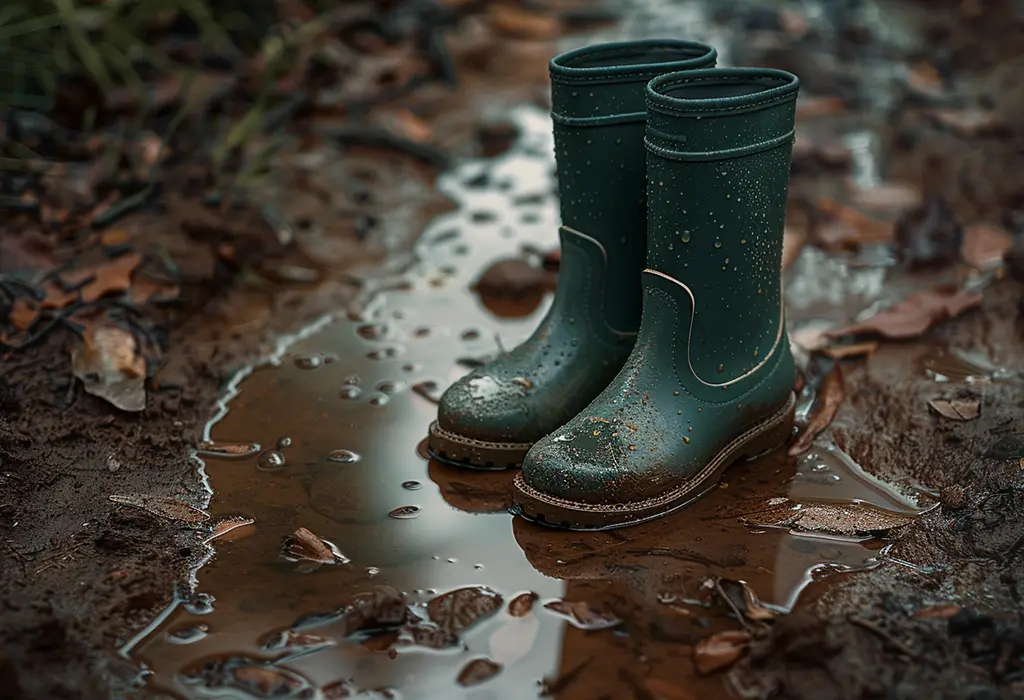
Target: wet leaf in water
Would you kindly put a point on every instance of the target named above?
(522, 604)
(382, 608)
(231, 530)
(984, 246)
(164, 507)
(107, 363)
(720, 651)
(913, 316)
(291, 641)
(345, 689)
(238, 450)
(835, 519)
(405, 512)
(929, 235)
(956, 409)
(454, 612)
(477, 671)
(742, 598)
(254, 677)
(110, 276)
(304, 546)
(830, 395)
(579, 615)
(942, 611)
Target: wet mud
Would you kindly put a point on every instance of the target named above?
(339, 418)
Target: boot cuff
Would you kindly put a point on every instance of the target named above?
(604, 83)
(720, 113)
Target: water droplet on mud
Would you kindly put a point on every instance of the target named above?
(372, 571)
(471, 334)
(229, 450)
(452, 560)
(350, 392)
(270, 461)
(378, 399)
(343, 456)
(405, 512)
(411, 367)
(422, 332)
(187, 635)
(478, 566)
(311, 361)
(283, 442)
(412, 485)
(666, 598)
(372, 331)
(388, 353)
(201, 604)
(390, 387)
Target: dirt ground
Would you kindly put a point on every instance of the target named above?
(936, 195)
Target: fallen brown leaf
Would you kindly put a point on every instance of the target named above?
(108, 277)
(23, 314)
(720, 651)
(145, 289)
(913, 316)
(942, 611)
(842, 227)
(411, 126)
(926, 80)
(109, 366)
(836, 519)
(231, 529)
(956, 409)
(579, 615)
(521, 605)
(164, 507)
(984, 246)
(477, 671)
(305, 547)
(842, 352)
(830, 395)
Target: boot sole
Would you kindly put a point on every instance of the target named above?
(461, 451)
(768, 435)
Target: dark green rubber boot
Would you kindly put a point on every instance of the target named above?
(710, 377)
(490, 418)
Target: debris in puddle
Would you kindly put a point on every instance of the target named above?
(458, 610)
(580, 615)
(283, 442)
(232, 529)
(380, 609)
(829, 396)
(477, 671)
(162, 506)
(345, 688)
(239, 450)
(343, 456)
(513, 278)
(719, 651)
(255, 677)
(310, 551)
(740, 597)
(292, 641)
(941, 611)
(412, 485)
(109, 365)
(961, 409)
(833, 518)
(188, 635)
(985, 246)
(522, 604)
(916, 314)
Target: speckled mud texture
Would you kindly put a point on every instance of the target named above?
(283, 532)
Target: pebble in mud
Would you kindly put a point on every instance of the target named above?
(270, 461)
(343, 456)
(405, 512)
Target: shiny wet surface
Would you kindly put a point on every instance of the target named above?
(340, 417)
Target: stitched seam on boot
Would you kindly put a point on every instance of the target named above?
(653, 101)
(605, 120)
(619, 335)
(724, 154)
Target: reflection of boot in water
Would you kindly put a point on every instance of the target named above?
(472, 492)
(491, 417)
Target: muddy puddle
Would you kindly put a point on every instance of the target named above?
(423, 586)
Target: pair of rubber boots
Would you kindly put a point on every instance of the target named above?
(664, 356)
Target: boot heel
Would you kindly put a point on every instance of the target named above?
(775, 433)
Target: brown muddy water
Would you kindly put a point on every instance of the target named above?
(428, 584)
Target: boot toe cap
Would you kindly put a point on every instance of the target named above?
(485, 407)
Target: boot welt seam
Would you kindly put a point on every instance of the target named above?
(605, 120)
(720, 459)
(435, 428)
(724, 154)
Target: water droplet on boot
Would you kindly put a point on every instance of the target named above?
(405, 512)
(350, 392)
(270, 461)
(343, 456)
(378, 399)
(388, 353)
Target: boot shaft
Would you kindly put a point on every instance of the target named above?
(719, 145)
(599, 113)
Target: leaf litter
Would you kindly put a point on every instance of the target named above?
(916, 314)
(109, 366)
(310, 551)
(960, 409)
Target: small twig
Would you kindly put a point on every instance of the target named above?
(884, 636)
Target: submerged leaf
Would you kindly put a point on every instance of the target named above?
(231, 529)
(477, 671)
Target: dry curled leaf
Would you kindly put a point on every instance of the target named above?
(984, 246)
(956, 409)
(830, 395)
(941, 611)
(720, 650)
(231, 529)
(579, 615)
(312, 551)
(164, 507)
(107, 363)
(110, 276)
(913, 316)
